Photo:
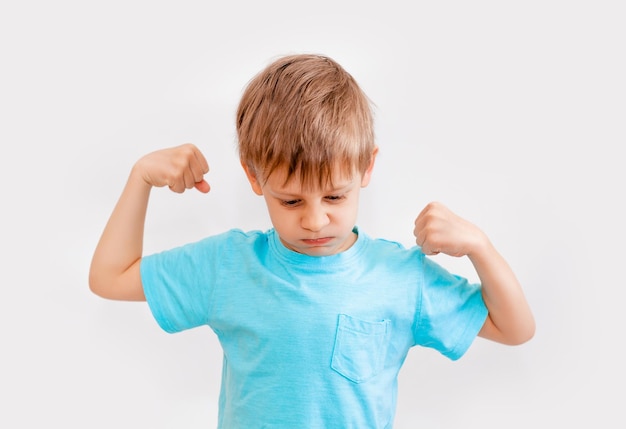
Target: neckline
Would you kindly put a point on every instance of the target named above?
(329, 262)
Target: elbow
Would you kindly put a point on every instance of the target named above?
(108, 284)
(529, 333)
(95, 285)
(523, 334)
(511, 335)
(99, 284)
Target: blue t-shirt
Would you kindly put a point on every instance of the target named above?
(313, 342)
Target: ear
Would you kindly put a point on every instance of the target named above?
(367, 175)
(251, 175)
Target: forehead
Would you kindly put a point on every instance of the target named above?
(340, 177)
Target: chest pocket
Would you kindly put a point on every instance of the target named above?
(360, 348)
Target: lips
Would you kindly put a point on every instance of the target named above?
(317, 241)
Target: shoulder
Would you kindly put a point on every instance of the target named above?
(234, 241)
(390, 247)
(239, 236)
(406, 262)
(392, 254)
(232, 237)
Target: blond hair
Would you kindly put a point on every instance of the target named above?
(306, 114)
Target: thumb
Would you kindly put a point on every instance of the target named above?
(202, 186)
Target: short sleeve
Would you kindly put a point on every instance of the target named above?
(451, 311)
(178, 284)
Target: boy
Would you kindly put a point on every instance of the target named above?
(314, 317)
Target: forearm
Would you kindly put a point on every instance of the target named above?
(510, 318)
(121, 244)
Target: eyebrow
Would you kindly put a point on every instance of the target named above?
(344, 187)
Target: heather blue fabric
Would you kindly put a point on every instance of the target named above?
(313, 342)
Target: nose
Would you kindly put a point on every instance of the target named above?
(314, 218)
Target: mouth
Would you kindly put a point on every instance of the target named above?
(317, 241)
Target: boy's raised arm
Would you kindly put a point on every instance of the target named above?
(114, 271)
(510, 321)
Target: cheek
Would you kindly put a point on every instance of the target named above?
(280, 217)
(347, 214)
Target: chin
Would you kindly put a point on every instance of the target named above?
(316, 252)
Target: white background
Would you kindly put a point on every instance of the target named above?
(511, 113)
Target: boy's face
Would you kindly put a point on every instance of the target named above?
(316, 222)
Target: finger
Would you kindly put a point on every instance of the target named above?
(197, 170)
(421, 221)
(427, 249)
(177, 187)
(202, 186)
(189, 179)
(419, 231)
(426, 239)
(202, 162)
(419, 237)
(199, 167)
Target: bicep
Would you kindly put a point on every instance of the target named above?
(131, 288)
(127, 286)
(489, 331)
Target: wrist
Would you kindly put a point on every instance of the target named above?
(480, 248)
(137, 178)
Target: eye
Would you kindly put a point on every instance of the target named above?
(334, 198)
(290, 203)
